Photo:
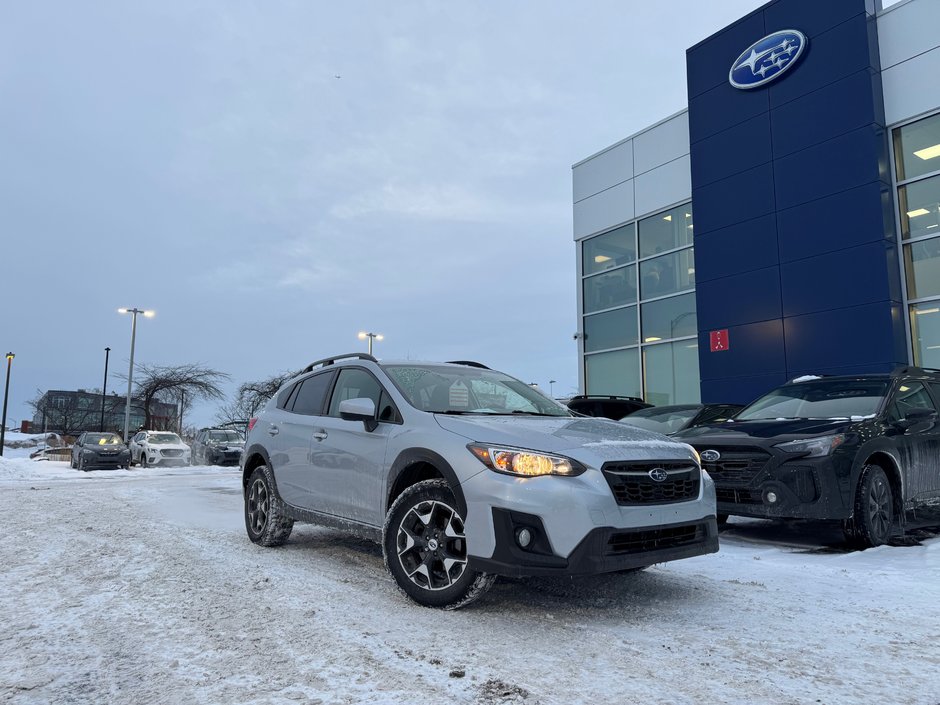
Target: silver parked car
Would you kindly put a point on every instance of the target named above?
(463, 473)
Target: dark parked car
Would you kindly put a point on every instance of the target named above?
(218, 446)
(608, 407)
(863, 449)
(678, 417)
(100, 451)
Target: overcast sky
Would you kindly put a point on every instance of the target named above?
(273, 177)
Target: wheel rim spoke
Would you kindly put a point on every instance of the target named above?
(431, 545)
(258, 506)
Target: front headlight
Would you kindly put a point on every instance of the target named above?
(524, 463)
(813, 447)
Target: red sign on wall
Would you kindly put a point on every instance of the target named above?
(719, 340)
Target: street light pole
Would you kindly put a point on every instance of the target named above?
(371, 336)
(551, 388)
(130, 371)
(104, 387)
(6, 393)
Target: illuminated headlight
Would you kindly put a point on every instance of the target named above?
(524, 463)
(813, 447)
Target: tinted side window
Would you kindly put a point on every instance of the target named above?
(284, 397)
(910, 396)
(311, 394)
(387, 409)
(354, 384)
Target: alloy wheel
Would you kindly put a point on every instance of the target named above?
(258, 505)
(432, 546)
(879, 508)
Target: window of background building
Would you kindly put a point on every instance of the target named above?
(644, 303)
(917, 172)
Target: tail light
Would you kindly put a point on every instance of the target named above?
(252, 422)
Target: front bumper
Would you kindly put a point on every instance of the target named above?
(223, 457)
(578, 527)
(107, 462)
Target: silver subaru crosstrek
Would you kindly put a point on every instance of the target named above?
(463, 473)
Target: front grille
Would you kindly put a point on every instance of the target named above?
(172, 453)
(736, 495)
(632, 485)
(737, 465)
(643, 540)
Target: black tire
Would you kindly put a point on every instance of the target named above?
(722, 519)
(73, 463)
(266, 521)
(409, 543)
(81, 464)
(872, 522)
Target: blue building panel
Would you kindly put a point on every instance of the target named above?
(736, 249)
(845, 278)
(707, 62)
(814, 17)
(709, 114)
(847, 219)
(740, 390)
(745, 298)
(755, 349)
(721, 156)
(733, 200)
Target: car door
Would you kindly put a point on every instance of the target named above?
(349, 460)
(291, 430)
(918, 445)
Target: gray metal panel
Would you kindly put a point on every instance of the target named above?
(609, 168)
(662, 143)
(603, 210)
(910, 88)
(907, 30)
(663, 186)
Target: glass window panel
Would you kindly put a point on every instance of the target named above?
(920, 208)
(616, 373)
(922, 268)
(917, 148)
(667, 274)
(613, 329)
(616, 288)
(666, 231)
(668, 318)
(925, 330)
(671, 373)
(613, 249)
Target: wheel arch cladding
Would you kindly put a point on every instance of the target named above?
(255, 456)
(887, 463)
(417, 464)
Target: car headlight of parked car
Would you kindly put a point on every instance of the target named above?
(813, 447)
(524, 463)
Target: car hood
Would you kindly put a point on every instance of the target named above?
(765, 429)
(593, 441)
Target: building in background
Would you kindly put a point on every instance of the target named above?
(786, 223)
(71, 412)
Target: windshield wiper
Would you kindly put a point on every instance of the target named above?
(534, 413)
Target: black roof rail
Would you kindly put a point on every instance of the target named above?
(468, 363)
(330, 360)
(908, 369)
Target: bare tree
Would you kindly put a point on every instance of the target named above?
(167, 383)
(250, 397)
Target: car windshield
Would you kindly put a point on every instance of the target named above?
(662, 420)
(447, 389)
(163, 438)
(224, 437)
(819, 399)
(102, 439)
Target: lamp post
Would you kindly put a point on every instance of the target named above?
(130, 372)
(6, 393)
(104, 388)
(551, 388)
(371, 337)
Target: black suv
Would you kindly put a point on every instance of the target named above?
(218, 446)
(864, 449)
(607, 407)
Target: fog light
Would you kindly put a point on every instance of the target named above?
(771, 497)
(523, 537)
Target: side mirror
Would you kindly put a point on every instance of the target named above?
(917, 416)
(361, 409)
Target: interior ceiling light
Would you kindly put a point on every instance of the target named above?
(922, 311)
(667, 217)
(918, 212)
(601, 258)
(651, 340)
(928, 152)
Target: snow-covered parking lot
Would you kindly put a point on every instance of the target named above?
(140, 587)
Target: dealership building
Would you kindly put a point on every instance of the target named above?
(786, 223)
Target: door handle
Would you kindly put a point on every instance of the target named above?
(273, 430)
(320, 435)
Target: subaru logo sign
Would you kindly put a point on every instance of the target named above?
(767, 59)
(658, 475)
(710, 456)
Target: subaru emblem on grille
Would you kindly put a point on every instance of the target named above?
(658, 475)
(710, 456)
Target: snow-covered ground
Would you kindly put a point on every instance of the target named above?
(140, 586)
